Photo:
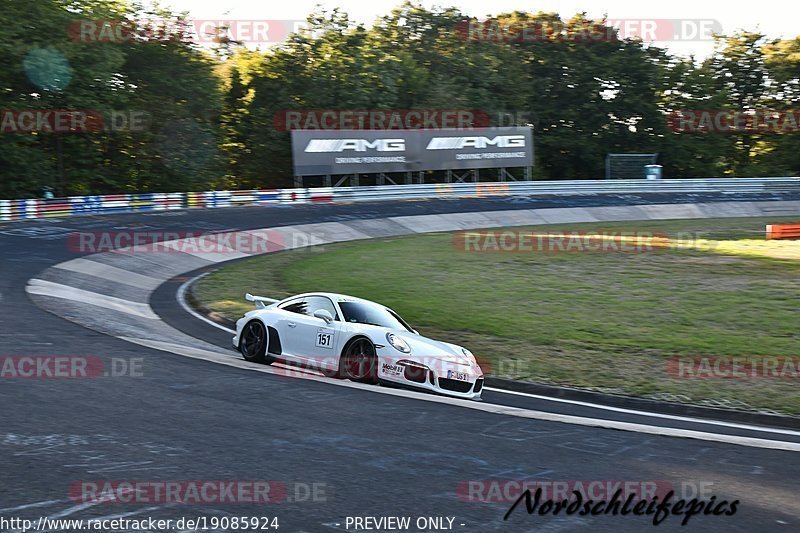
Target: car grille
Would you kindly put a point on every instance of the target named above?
(478, 385)
(417, 374)
(455, 385)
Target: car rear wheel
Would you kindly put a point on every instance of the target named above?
(253, 343)
(359, 362)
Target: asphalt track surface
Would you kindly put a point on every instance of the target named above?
(365, 454)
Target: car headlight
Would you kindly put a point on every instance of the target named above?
(469, 355)
(398, 343)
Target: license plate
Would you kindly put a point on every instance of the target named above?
(460, 376)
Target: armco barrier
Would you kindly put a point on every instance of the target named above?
(112, 203)
(76, 205)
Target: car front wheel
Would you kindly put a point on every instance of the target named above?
(253, 343)
(359, 362)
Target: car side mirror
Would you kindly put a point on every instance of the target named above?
(324, 314)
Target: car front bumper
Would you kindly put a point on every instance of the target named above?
(435, 375)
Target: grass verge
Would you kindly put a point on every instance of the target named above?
(599, 321)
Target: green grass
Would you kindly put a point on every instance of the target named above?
(601, 321)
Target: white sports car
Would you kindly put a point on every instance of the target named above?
(356, 339)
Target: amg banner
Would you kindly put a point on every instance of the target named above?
(364, 151)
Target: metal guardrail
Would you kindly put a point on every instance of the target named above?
(472, 190)
(77, 205)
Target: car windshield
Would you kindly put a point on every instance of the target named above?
(374, 314)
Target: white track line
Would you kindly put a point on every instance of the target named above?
(526, 413)
(181, 296)
(477, 406)
(182, 301)
(37, 286)
(648, 413)
(46, 503)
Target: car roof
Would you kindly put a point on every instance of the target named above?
(336, 297)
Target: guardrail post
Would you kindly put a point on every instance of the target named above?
(31, 208)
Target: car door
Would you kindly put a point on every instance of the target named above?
(289, 315)
(316, 339)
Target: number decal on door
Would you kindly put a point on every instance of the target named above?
(324, 340)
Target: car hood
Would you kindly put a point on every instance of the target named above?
(421, 347)
(433, 348)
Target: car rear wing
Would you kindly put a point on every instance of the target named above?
(260, 301)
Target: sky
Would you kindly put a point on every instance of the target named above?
(771, 17)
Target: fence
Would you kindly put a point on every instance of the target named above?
(115, 203)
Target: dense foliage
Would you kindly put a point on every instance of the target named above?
(210, 109)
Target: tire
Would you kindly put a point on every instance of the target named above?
(253, 343)
(359, 362)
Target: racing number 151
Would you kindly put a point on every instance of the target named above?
(324, 340)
